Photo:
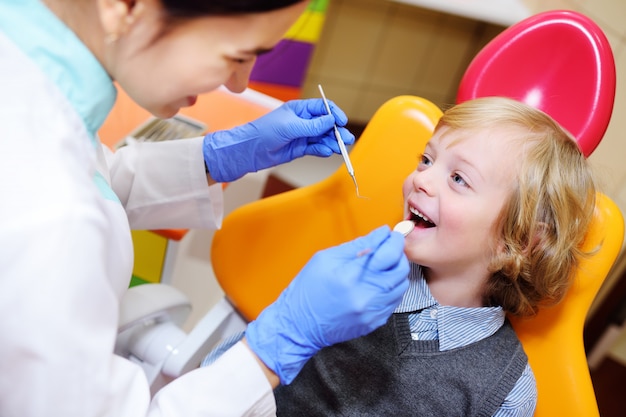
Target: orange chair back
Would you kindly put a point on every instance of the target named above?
(263, 245)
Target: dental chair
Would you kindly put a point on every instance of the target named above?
(283, 231)
(279, 234)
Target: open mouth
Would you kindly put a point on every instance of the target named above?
(419, 219)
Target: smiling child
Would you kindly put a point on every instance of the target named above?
(501, 200)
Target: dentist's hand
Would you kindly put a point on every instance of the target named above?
(295, 129)
(342, 293)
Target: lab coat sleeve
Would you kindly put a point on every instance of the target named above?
(164, 185)
(233, 386)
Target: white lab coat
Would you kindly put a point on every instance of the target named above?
(65, 247)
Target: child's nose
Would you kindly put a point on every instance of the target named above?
(423, 181)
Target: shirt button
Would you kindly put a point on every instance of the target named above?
(433, 313)
(415, 336)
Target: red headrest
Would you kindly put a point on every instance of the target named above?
(559, 62)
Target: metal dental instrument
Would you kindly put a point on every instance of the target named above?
(342, 145)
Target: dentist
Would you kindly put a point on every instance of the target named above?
(68, 204)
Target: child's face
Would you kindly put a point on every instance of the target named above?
(460, 186)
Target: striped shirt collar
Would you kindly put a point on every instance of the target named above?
(457, 326)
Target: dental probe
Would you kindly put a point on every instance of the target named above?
(342, 145)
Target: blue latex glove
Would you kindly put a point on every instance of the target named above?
(295, 129)
(342, 293)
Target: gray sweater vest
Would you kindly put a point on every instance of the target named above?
(386, 373)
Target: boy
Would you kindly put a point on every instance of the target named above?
(501, 199)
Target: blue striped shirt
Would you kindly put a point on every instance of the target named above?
(459, 326)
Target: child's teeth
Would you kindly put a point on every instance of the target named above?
(418, 214)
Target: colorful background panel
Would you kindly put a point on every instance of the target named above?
(281, 73)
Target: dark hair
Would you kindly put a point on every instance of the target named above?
(195, 8)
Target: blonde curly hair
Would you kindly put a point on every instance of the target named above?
(541, 227)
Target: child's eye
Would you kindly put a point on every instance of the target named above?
(459, 179)
(424, 161)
